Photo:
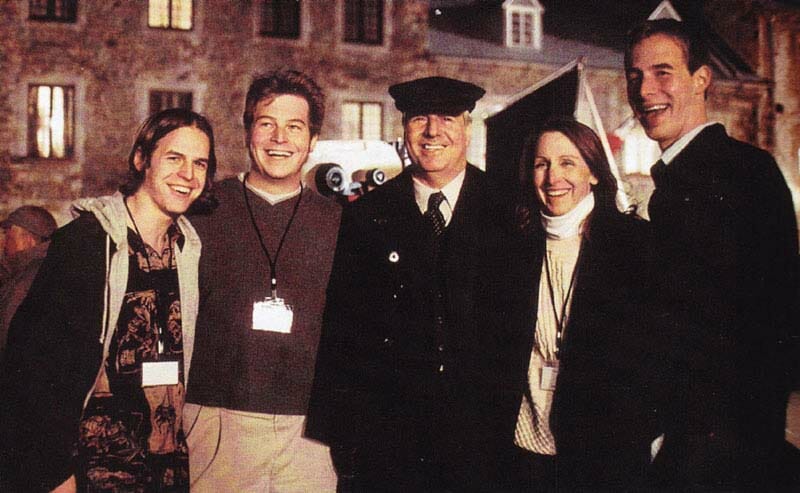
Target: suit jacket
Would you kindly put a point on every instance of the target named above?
(395, 388)
(728, 242)
(605, 406)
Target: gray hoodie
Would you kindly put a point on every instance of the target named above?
(111, 214)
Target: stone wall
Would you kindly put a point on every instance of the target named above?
(113, 59)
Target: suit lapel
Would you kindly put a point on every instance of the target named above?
(691, 165)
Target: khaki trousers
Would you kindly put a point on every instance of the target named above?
(253, 452)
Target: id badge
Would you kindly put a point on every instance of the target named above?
(549, 376)
(159, 373)
(273, 315)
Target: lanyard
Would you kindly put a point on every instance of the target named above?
(159, 330)
(561, 321)
(273, 263)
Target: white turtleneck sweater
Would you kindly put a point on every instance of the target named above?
(562, 249)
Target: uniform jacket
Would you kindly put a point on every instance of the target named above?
(392, 386)
(605, 407)
(61, 335)
(728, 242)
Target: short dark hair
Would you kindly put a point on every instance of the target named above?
(155, 128)
(272, 84)
(689, 36)
(591, 149)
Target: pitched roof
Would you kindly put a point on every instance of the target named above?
(572, 28)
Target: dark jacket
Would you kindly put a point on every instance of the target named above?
(605, 407)
(728, 243)
(408, 403)
(57, 341)
(53, 357)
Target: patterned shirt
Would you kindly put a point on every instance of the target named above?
(131, 436)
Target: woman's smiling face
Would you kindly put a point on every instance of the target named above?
(560, 174)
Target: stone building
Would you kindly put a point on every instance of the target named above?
(78, 76)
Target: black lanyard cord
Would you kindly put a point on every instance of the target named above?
(159, 333)
(273, 263)
(562, 320)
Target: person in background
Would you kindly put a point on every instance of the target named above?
(267, 254)
(27, 232)
(586, 400)
(727, 240)
(98, 352)
(410, 375)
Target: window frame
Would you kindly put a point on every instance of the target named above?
(32, 122)
(170, 27)
(359, 38)
(299, 16)
(71, 9)
(528, 17)
(173, 93)
(361, 127)
(359, 49)
(166, 81)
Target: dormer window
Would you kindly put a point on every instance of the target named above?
(523, 23)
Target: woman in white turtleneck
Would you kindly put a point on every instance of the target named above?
(586, 414)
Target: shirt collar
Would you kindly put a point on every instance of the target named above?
(672, 151)
(270, 197)
(422, 191)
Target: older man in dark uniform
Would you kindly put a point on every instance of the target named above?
(410, 385)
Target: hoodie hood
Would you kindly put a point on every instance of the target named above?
(110, 213)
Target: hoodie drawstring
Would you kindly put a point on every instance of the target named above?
(106, 292)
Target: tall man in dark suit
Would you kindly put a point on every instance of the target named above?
(728, 240)
(410, 382)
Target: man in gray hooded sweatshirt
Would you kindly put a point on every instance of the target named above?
(93, 378)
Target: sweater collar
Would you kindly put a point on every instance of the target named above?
(569, 224)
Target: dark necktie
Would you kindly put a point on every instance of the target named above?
(434, 215)
(659, 172)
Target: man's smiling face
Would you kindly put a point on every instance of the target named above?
(280, 141)
(177, 170)
(437, 144)
(666, 98)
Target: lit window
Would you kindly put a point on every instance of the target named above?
(362, 121)
(280, 18)
(162, 100)
(53, 10)
(363, 21)
(170, 14)
(51, 121)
